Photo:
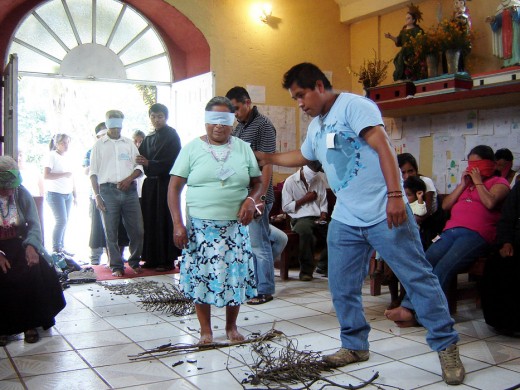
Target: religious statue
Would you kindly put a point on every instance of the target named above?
(505, 25)
(403, 59)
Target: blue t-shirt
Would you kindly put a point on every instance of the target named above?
(208, 196)
(351, 165)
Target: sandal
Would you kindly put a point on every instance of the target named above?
(260, 299)
(3, 340)
(31, 336)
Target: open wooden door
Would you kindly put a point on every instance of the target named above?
(10, 108)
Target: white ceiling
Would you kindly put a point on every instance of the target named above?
(355, 10)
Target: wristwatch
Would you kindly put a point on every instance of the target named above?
(263, 198)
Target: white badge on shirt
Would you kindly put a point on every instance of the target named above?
(330, 140)
(224, 173)
(124, 156)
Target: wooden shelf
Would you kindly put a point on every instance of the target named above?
(492, 96)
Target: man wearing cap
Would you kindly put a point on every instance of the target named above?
(113, 171)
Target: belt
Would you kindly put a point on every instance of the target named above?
(114, 185)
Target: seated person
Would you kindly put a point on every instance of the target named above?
(475, 210)
(31, 293)
(278, 241)
(504, 159)
(431, 223)
(304, 199)
(499, 290)
(415, 189)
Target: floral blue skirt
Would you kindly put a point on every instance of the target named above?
(217, 265)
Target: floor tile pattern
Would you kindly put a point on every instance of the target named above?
(90, 345)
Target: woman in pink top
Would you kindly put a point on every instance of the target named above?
(475, 210)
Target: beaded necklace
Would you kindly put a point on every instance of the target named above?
(221, 157)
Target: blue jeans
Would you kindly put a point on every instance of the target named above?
(122, 204)
(456, 249)
(60, 206)
(262, 252)
(278, 240)
(350, 249)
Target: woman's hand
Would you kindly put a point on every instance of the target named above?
(475, 176)
(180, 236)
(4, 264)
(247, 211)
(31, 256)
(506, 250)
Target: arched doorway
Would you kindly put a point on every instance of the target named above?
(106, 40)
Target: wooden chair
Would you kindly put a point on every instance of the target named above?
(467, 289)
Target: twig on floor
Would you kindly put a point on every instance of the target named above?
(170, 350)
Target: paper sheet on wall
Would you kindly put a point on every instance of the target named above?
(485, 122)
(502, 120)
(419, 126)
(305, 120)
(256, 93)
(447, 152)
(394, 128)
(284, 121)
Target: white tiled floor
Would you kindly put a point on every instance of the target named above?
(90, 345)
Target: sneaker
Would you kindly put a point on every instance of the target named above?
(452, 369)
(345, 356)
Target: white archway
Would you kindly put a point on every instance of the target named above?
(91, 39)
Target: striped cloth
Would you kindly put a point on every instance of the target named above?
(261, 134)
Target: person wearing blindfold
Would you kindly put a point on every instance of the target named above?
(475, 208)
(223, 195)
(31, 293)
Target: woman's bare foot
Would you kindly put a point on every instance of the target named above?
(234, 336)
(399, 314)
(205, 339)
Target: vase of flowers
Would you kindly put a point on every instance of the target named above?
(452, 60)
(455, 41)
(426, 48)
(372, 72)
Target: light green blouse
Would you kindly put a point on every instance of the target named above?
(208, 195)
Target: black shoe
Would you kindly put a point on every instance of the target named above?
(321, 271)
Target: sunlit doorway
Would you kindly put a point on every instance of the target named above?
(78, 59)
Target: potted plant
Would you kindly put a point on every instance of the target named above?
(455, 40)
(372, 72)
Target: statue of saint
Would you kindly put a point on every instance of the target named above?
(505, 25)
(402, 60)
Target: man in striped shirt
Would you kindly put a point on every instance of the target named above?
(259, 132)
